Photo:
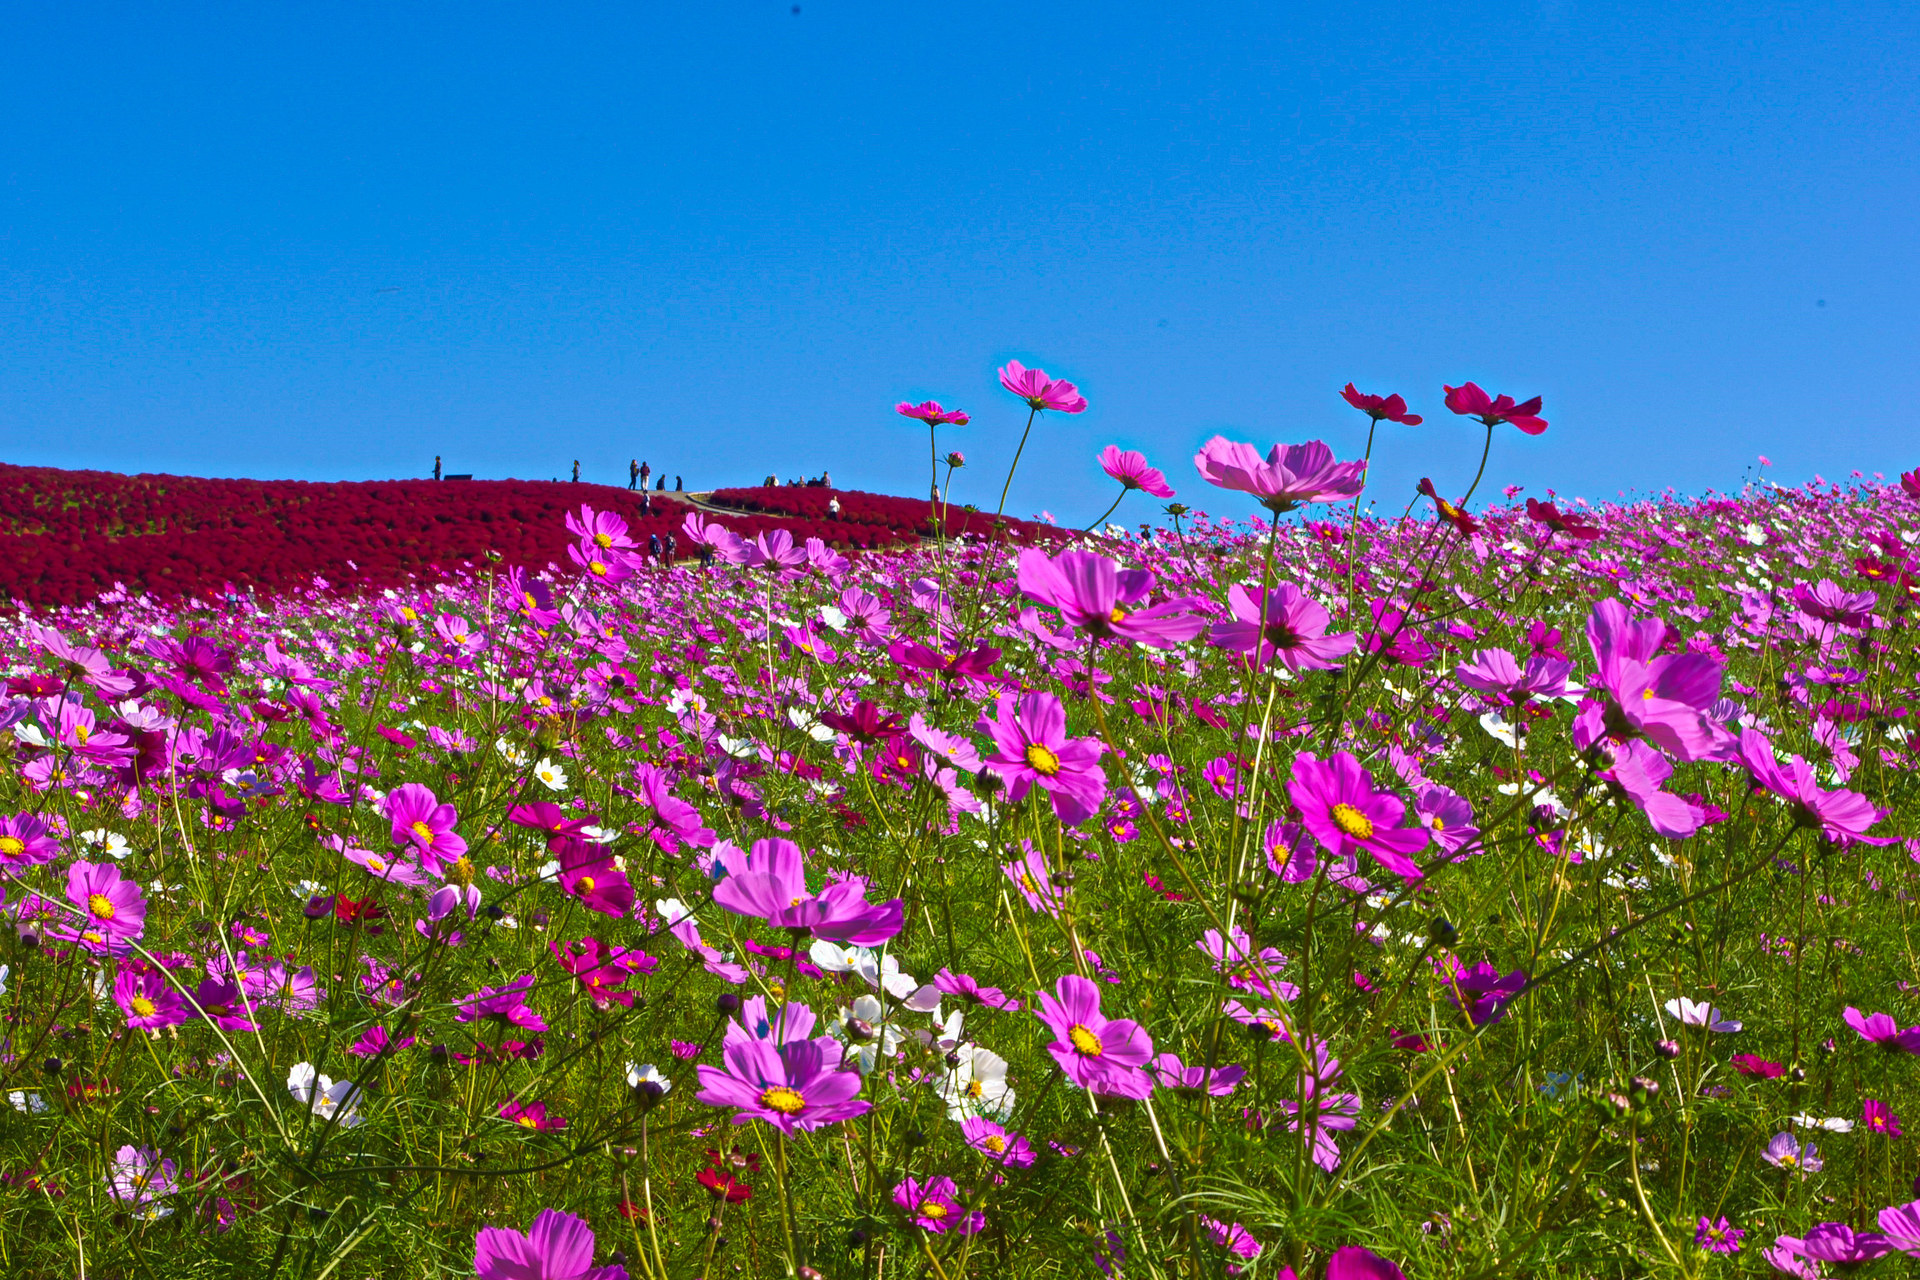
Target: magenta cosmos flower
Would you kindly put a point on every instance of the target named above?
(116, 911)
(1100, 1054)
(588, 873)
(931, 413)
(1667, 699)
(932, 1207)
(1881, 1029)
(1288, 476)
(25, 841)
(419, 819)
(558, 1246)
(1842, 816)
(1040, 391)
(505, 1006)
(602, 529)
(1095, 594)
(1381, 408)
(1340, 808)
(1837, 1242)
(1032, 746)
(1470, 401)
(1131, 470)
(769, 882)
(792, 1087)
(148, 999)
(1291, 630)
(1355, 1263)
(1900, 1224)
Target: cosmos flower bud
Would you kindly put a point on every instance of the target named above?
(1441, 932)
(1668, 1049)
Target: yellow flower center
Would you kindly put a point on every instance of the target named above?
(95, 937)
(1789, 1160)
(376, 863)
(461, 872)
(603, 540)
(932, 1209)
(1042, 760)
(975, 1090)
(525, 1121)
(782, 1099)
(531, 602)
(424, 831)
(12, 846)
(1646, 695)
(996, 1143)
(143, 1007)
(100, 905)
(597, 569)
(1438, 823)
(81, 731)
(1117, 615)
(584, 884)
(1084, 1040)
(1352, 821)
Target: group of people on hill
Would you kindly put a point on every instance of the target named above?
(822, 481)
(638, 473)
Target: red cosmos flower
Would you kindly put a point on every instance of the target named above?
(1470, 401)
(931, 413)
(352, 910)
(1451, 514)
(722, 1186)
(1910, 481)
(1381, 408)
(1561, 521)
(1752, 1064)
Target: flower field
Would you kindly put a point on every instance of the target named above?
(1521, 890)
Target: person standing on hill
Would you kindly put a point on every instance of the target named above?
(676, 483)
(662, 486)
(436, 466)
(633, 474)
(645, 471)
(576, 471)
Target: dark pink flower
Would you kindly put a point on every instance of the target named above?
(1100, 1054)
(1096, 595)
(1288, 476)
(1131, 470)
(505, 1006)
(1842, 816)
(602, 529)
(1032, 747)
(1470, 401)
(931, 413)
(558, 1246)
(932, 1206)
(1339, 806)
(25, 841)
(115, 909)
(1040, 391)
(1197, 1080)
(148, 999)
(1881, 1029)
(1878, 1117)
(1292, 632)
(420, 820)
(588, 874)
(769, 882)
(1381, 408)
(793, 1087)
(1355, 1263)
(1666, 698)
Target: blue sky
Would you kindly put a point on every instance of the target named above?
(331, 241)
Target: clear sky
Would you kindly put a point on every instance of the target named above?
(332, 240)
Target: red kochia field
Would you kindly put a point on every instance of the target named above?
(68, 536)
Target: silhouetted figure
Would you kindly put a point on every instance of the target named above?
(645, 471)
(676, 484)
(576, 471)
(633, 473)
(662, 486)
(436, 466)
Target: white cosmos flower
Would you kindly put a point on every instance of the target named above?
(112, 843)
(550, 775)
(978, 1086)
(328, 1100)
(647, 1074)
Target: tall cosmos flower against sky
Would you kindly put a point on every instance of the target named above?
(1291, 629)
(1291, 475)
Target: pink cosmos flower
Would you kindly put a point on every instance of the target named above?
(931, 413)
(148, 1000)
(1292, 629)
(1040, 391)
(770, 883)
(1785, 1152)
(1449, 816)
(116, 910)
(1881, 1029)
(793, 1087)
(932, 1207)
(1339, 806)
(1095, 594)
(139, 1178)
(1232, 1237)
(1099, 1054)
(996, 1143)
(588, 874)
(1381, 408)
(965, 987)
(1032, 747)
(558, 1246)
(25, 841)
(420, 820)
(1355, 1263)
(1131, 470)
(1838, 1242)
(1639, 770)
(1483, 991)
(1197, 1080)
(1900, 1224)
(1667, 699)
(1878, 1117)
(602, 529)
(1032, 877)
(1287, 477)
(1825, 601)
(1842, 816)
(1698, 1013)
(504, 1006)
(1496, 671)
(1470, 401)
(1291, 852)
(603, 568)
